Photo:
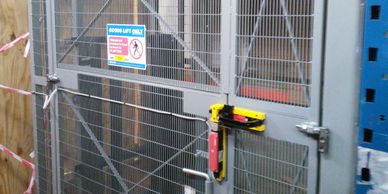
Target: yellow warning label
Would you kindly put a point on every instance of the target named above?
(119, 58)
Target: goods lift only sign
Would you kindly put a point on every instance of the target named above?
(127, 46)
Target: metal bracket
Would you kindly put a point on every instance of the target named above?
(52, 78)
(319, 132)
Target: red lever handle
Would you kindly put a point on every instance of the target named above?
(213, 151)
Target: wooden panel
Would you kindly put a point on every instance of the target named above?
(15, 110)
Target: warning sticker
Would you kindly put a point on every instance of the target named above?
(127, 46)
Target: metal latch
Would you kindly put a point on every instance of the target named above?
(321, 133)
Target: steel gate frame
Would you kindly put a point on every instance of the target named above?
(343, 43)
(227, 49)
(61, 68)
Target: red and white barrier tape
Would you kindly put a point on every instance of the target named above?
(32, 179)
(26, 163)
(31, 184)
(4, 149)
(18, 39)
(27, 49)
(14, 90)
(47, 98)
(32, 155)
(9, 153)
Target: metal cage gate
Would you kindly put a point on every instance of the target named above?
(260, 54)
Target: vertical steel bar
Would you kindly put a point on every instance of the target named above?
(232, 9)
(55, 163)
(54, 120)
(227, 51)
(96, 143)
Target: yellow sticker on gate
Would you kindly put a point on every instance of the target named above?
(119, 58)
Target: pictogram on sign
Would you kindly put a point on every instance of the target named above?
(136, 48)
(126, 46)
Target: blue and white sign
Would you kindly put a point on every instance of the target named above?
(127, 46)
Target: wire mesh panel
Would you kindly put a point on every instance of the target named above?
(39, 31)
(266, 165)
(108, 147)
(147, 150)
(44, 145)
(274, 57)
(183, 37)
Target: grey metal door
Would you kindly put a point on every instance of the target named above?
(262, 55)
(276, 69)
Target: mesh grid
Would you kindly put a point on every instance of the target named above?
(39, 39)
(183, 37)
(142, 149)
(44, 141)
(265, 165)
(273, 63)
(274, 56)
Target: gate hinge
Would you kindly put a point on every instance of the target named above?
(319, 132)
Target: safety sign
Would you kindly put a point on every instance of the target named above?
(126, 45)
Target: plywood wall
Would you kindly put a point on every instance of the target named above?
(15, 110)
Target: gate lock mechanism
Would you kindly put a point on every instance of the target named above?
(319, 132)
(229, 117)
(240, 118)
